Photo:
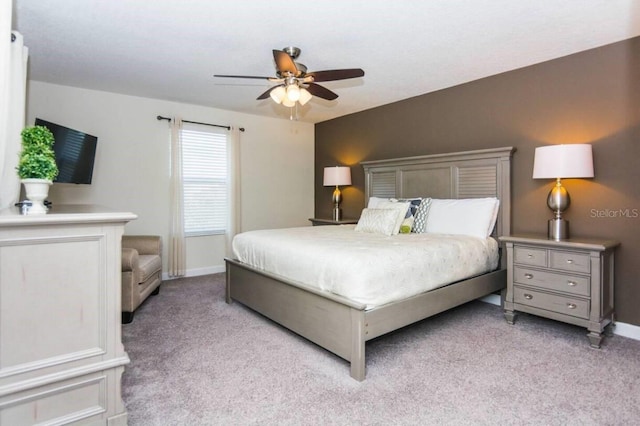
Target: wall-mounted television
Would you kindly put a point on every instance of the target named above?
(75, 153)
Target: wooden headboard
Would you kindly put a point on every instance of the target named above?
(469, 174)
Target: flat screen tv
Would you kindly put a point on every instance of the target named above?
(75, 153)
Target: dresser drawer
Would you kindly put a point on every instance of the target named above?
(552, 281)
(552, 302)
(570, 261)
(530, 256)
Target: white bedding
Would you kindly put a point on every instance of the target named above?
(372, 269)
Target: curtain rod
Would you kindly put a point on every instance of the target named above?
(197, 122)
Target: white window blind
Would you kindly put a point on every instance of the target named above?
(205, 176)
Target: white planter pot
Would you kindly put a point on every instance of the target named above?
(36, 191)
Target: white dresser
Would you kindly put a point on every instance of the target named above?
(61, 353)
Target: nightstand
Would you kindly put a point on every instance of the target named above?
(570, 281)
(318, 222)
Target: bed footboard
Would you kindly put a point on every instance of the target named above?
(338, 324)
(334, 323)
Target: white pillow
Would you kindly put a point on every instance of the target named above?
(377, 221)
(399, 207)
(373, 202)
(470, 216)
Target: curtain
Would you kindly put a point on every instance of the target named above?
(177, 243)
(233, 155)
(13, 87)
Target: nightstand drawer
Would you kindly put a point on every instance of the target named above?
(551, 302)
(570, 261)
(552, 281)
(530, 256)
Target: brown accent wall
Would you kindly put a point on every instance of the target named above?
(590, 97)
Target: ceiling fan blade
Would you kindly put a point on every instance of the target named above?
(284, 63)
(321, 92)
(266, 94)
(331, 75)
(242, 76)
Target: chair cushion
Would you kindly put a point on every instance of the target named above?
(149, 265)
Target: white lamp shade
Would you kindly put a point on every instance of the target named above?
(563, 161)
(288, 102)
(305, 96)
(293, 92)
(338, 175)
(278, 94)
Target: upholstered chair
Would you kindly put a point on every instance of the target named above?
(141, 271)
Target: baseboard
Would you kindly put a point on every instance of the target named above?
(198, 271)
(493, 299)
(627, 330)
(621, 329)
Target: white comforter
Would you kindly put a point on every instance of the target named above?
(372, 269)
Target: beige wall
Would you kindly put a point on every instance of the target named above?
(132, 162)
(591, 97)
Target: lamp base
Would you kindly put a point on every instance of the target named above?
(337, 213)
(558, 229)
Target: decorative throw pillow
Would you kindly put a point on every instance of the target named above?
(378, 221)
(407, 225)
(420, 219)
(399, 207)
(414, 203)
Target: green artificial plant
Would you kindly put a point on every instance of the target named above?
(37, 159)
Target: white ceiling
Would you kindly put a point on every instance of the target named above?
(170, 49)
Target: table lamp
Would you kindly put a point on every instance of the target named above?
(557, 162)
(338, 175)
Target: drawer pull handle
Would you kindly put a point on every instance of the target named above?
(529, 255)
(528, 296)
(571, 283)
(528, 276)
(569, 261)
(571, 305)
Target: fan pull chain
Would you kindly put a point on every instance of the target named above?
(291, 117)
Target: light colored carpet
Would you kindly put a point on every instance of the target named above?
(197, 361)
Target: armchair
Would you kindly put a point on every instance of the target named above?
(141, 271)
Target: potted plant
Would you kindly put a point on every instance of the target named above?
(37, 165)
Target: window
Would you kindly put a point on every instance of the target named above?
(205, 176)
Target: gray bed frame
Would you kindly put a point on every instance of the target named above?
(343, 326)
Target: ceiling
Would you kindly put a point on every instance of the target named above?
(169, 49)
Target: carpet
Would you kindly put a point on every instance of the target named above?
(196, 360)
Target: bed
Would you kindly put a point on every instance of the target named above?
(343, 324)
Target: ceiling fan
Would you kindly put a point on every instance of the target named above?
(295, 84)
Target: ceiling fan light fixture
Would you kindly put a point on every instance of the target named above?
(305, 96)
(287, 102)
(294, 83)
(293, 92)
(278, 94)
